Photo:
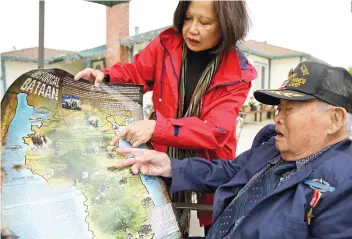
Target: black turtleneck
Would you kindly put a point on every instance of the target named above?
(196, 64)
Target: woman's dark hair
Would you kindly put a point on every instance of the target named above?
(233, 21)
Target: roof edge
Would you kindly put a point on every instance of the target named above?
(46, 61)
(28, 48)
(141, 38)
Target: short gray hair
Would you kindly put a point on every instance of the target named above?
(348, 123)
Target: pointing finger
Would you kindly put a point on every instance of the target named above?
(135, 168)
(137, 143)
(114, 140)
(118, 137)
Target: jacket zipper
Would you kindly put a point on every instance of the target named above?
(162, 70)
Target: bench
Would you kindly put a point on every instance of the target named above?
(270, 113)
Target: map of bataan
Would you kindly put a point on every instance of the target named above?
(58, 166)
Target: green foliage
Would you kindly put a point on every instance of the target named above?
(350, 70)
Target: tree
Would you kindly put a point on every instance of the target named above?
(350, 70)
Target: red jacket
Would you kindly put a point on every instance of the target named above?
(158, 68)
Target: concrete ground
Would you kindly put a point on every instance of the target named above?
(248, 133)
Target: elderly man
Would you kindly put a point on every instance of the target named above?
(295, 181)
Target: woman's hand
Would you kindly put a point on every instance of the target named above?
(149, 162)
(137, 133)
(91, 75)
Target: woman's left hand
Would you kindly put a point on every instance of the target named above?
(137, 133)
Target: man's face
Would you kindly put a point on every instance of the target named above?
(302, 128)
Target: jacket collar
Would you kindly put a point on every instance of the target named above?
(229, 71)
(171, 39)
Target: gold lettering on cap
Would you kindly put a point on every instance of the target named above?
(293, 75)
(287, 94)
(304, 70)
(296, 82)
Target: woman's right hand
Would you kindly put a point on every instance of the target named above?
(91, 75)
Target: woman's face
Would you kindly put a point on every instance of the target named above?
(201, 28)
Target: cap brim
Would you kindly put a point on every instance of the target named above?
(273, 97)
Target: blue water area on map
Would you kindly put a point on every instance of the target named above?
(27, 183)
(20, 126)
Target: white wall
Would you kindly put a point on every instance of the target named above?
(14, 69)
(280, 69)
(278, 72)
(257, 60)
(139, 47)
(253, 58)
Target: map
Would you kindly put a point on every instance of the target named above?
(58, 174)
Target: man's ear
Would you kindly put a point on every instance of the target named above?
(338, 117)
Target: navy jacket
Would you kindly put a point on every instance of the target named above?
(281, 214)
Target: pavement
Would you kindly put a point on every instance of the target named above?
(249, 131)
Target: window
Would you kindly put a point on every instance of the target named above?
(262, 79)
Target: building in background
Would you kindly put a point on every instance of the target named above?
(272, 62)
(15, 63)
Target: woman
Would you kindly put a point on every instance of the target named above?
(199, 80)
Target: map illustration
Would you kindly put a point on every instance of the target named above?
(59, 179)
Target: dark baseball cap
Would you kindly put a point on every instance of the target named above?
(312, 80)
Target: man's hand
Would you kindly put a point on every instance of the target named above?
(91, 75)
(147, 161)
(137, 133)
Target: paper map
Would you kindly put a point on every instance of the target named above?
(60, 180)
